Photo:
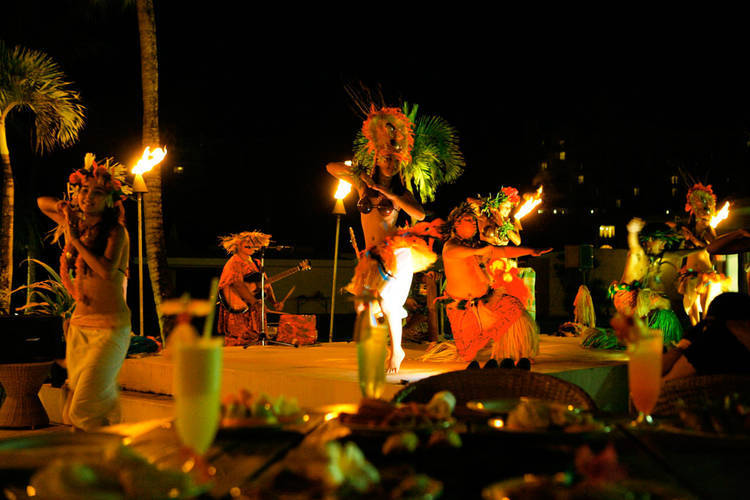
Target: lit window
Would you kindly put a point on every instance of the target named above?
(636, 191)
(580, 179)
(674, 179)
(554, 211)
(606, 231)
(562, 211)
(674, 192)
(540, 211)
(544, 165)
(618, 203)
(591, 211)
(179, 169)
(562, 155)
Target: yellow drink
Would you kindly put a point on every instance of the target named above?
(371, 333)
(644, 371)
(196, 387)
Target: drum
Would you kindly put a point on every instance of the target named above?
(297, 329)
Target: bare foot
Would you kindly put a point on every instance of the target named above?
(394, 360)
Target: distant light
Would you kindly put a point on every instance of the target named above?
(348, 163)
(606, 231)
(179, 169)
(592, 210)
(540, 211)
(554, 211)
(580, 179)
(497, 423)
(562, 155)
(667, 212)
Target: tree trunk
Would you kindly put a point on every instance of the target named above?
(6, 224)
(156, 250)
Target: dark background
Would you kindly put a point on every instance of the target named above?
(252, 107)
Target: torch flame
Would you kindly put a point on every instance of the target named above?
(149, 160)
(531, 202)
(720, 215)
(342, 190)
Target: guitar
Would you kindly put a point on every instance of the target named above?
(234, 304)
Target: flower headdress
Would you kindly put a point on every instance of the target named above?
(699, 193)
(426, 147)
(232, 242)
(109, 175)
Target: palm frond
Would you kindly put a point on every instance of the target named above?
(30, 79)
(49, 296)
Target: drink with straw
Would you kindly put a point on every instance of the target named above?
(644, 371)
(197, 372)
(197, 385)
(371, 333)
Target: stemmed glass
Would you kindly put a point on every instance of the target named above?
(644, 372)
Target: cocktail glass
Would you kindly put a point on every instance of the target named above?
(644, 373)
(371, 333)
(196, 387)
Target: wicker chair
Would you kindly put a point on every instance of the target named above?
(469, 385)
(697, 391)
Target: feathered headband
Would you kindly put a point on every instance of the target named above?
(699, 193)
(108, 174)
(426, 147)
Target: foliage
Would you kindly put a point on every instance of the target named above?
(48, 297)
(31, 80)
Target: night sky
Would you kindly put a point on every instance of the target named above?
(252, 106)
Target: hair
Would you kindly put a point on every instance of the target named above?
(729, 305)
(661, 232)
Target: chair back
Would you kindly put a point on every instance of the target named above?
(698, 391)
(468, 385)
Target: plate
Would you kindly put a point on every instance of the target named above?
(32, 452)
(550, 487)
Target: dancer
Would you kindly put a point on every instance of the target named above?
(389, 165)
(240, 309)
(647, 287)
(699, 282)
(477, 312)
(94, 269)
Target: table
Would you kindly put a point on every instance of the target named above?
(247, 460)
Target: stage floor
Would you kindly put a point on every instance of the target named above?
(324, 374)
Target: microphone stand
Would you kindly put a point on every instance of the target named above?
(262, 336)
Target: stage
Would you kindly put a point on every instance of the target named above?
(325, 374)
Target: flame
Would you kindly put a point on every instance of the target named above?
(531, 202)
(342, 190)
(149, 160)
(720, 215)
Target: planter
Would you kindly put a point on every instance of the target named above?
(29, 338)
(22, 407)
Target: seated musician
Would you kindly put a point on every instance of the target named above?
(240, 311)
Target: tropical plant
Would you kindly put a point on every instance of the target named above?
(31, 81)
(436, 157)
(48, 297)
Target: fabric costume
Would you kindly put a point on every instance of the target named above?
(96, 344)
(498, 317)
(386, 269)
(238, 328)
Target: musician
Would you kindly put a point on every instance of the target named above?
(240, 310)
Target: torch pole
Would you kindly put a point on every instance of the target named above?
(140, 263)
(333, 286)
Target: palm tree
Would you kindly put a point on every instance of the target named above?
(31, 81)
(156, 247)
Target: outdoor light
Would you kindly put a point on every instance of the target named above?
(148, 160)
(342, 190)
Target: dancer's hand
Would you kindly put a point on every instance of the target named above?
(540, 251)
(635, 225)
